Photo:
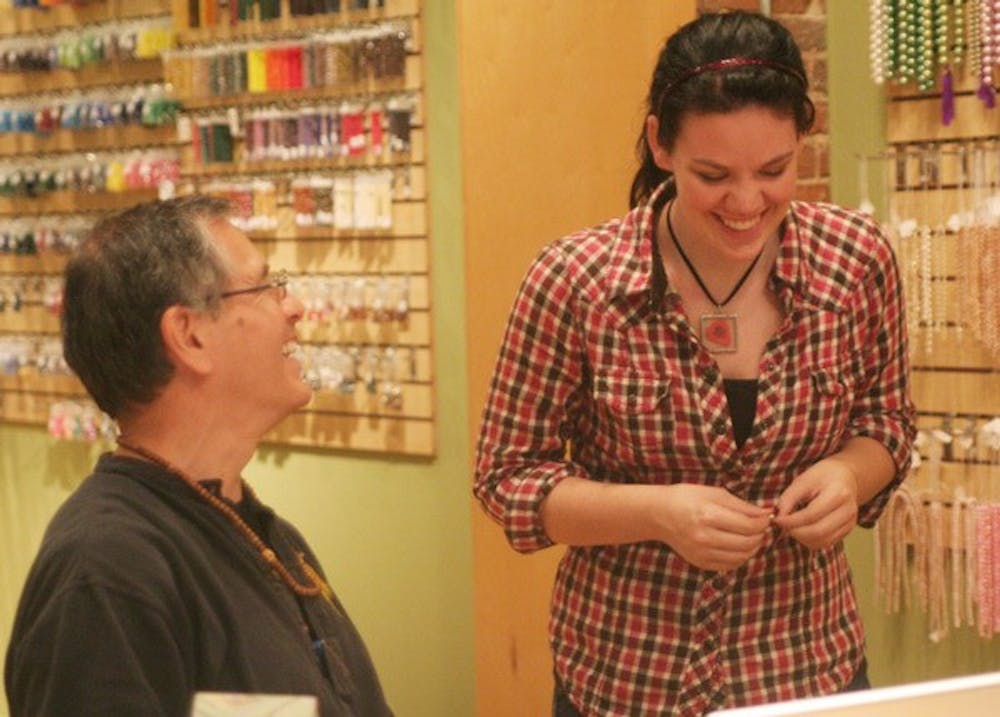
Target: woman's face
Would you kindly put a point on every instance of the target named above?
(735, 174)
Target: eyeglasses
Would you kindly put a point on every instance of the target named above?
(279, 282)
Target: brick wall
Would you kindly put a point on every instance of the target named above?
(807, 21)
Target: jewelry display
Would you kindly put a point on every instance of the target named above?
(340, 59)
(99, 43)
(312, 127)
(917, 41)
(205, 13)
(936, 538)
(88, 173)
(931, 535)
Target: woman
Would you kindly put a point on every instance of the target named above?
(702, 398)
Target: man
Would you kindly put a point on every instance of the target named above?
(163, 575)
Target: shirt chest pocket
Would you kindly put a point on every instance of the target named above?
(830, 397)
(636, 417)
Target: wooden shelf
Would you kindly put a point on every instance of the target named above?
(286, 24)
(118, 137)
(102, 74)
(327, 165)
(72, 202)
(192, 102)
(26, 21)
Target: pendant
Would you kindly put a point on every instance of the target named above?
(718, 333)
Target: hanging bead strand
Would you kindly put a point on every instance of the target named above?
(958, 34)
(973, 38)
(904, 39)
(891, 16)
(877, 47)
(924, 42)
(988, 53)
(942, 41)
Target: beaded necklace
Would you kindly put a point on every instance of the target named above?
(989, 19)
(879, 47)
(317, 586)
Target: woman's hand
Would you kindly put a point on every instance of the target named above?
(820, 506)
(709, 526)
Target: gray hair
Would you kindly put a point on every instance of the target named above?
(131, 267)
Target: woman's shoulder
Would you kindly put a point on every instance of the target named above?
(584, 245)
(850, 236)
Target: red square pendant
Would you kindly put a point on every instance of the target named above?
(718, 333)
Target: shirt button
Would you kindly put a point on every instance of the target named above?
(720, 427)
(711, 375)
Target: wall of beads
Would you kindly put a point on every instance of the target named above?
(308, 115)
(85, 127)
(939, 541)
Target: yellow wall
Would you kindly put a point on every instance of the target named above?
(552, 103)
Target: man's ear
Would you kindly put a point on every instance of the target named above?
(660, 155)
(184, 332)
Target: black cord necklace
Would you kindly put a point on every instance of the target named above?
(718, 329)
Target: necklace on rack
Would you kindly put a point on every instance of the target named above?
(717, 329)
(318, 585)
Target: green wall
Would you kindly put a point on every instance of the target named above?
(394, 536)
(899, 649)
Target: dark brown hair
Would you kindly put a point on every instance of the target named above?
(687, 81)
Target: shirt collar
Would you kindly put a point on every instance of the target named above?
(634, 265)
(804, 262)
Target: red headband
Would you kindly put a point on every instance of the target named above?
(732, 62)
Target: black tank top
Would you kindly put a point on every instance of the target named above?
(741, 393)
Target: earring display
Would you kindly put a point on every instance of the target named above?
(307, 116)
(309, 120)
(86, 125)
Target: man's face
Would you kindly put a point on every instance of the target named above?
(255, 342)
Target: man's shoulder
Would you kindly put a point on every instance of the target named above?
(108, 530)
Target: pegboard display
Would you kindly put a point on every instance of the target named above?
(85, 128)
(938, 543)
(307, 115)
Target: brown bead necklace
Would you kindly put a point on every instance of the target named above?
(266, 553)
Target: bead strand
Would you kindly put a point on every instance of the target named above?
(987, 51)
(877, 47)
(941, 37)
(958, 34)
(984, 573)
(924, 44)
(904, 60)
(970, 561)
(890, 15)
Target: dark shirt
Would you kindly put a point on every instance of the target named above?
(142, 594)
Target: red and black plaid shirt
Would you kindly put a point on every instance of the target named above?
(598, 356)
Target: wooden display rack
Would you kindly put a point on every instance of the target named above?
(358, 420)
